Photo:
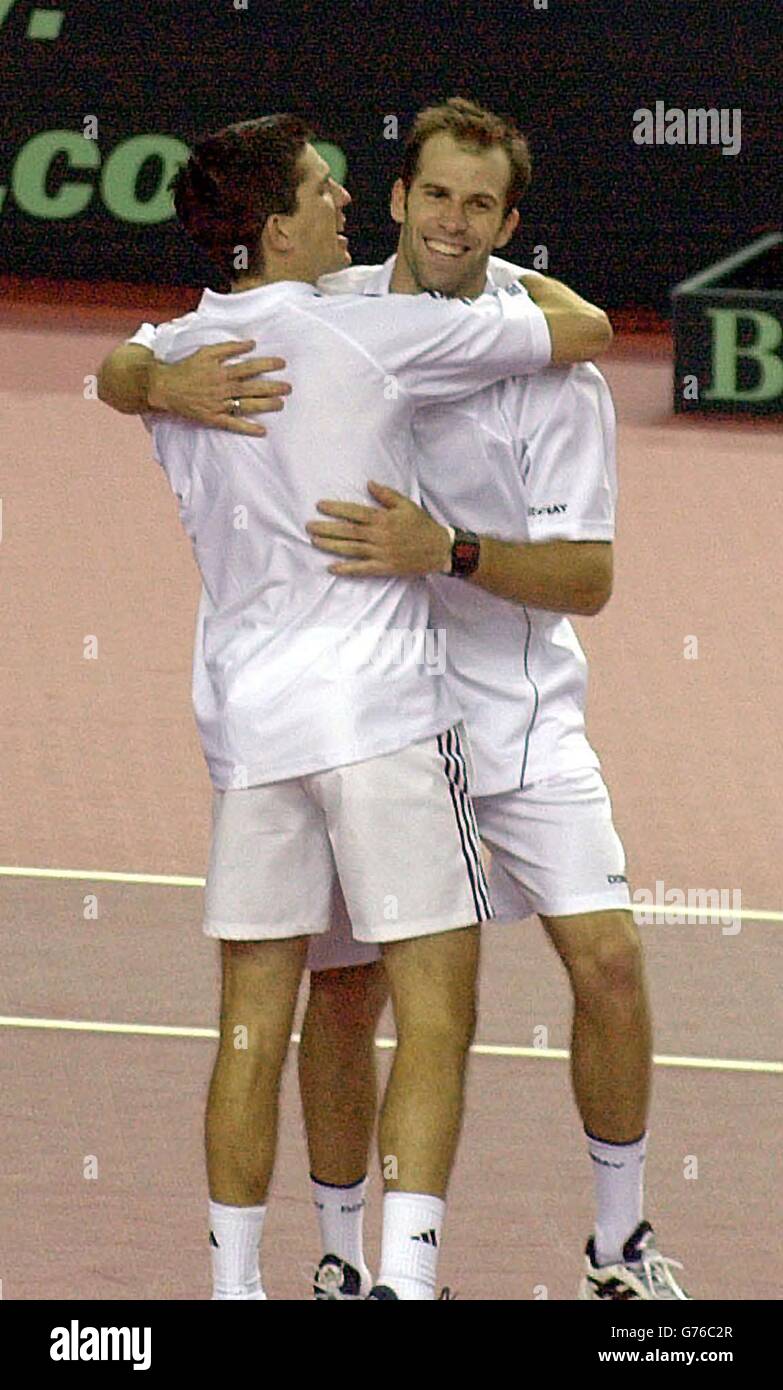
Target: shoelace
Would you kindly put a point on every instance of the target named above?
(658, 1273)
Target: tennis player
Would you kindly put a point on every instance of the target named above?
(548, 445)
(332, 744)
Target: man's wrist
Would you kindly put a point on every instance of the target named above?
(465, 553)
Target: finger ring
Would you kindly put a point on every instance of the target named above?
(235, 407)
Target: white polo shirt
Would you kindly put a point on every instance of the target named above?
(527, 459)
(297, 670)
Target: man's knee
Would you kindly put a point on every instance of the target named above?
(437, 1015)
(602, 952)
(438, 1026)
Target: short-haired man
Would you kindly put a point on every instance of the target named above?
(314, 765)
(532, 458)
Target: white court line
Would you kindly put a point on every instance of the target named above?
(104, 876)
(718, 914)
(480, 1049)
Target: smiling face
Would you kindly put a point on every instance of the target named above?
(318, 221)
(309, 242)
(452, 218)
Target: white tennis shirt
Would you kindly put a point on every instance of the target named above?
(528, 459)
(297, 670)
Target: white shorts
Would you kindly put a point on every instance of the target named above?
(398, 830)
(555, 852)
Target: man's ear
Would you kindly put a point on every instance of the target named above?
(277, 235)
(507, 230)
(398, 200)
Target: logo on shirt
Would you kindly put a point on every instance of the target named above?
(554, 509)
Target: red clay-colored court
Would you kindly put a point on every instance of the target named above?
(103, 1189)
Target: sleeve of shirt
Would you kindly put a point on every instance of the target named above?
(444, 349)
(505, 273)
(568, 462)
(144, 336)
(154, 337)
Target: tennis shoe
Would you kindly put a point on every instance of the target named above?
(644, 1272)
(336, 1279)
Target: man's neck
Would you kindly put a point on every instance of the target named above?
(274, 277)
(403, 281)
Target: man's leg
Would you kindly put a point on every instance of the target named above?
(339, 1089)
(337, 1070)
(611, 1062)
(433, 987)
(259, 991)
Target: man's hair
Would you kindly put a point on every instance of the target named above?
(477, 129)
(234, 180)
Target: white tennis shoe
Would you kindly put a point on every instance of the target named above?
(644, 1272)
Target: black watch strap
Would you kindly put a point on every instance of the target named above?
(465, 552)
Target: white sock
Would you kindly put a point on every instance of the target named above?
(618, 1170)
(412, 1226)
(234, 1239)
(340, 1212)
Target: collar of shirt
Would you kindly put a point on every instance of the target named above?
(237, 304)
(380, 280)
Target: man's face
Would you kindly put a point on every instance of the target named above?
(317, 224)
(453, 217)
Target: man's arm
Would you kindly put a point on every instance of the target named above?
(132, 380)
(201, 387)
(579, 330)
(562, 576)
(123, 379)
(400, 538)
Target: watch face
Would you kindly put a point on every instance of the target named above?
(465, 553)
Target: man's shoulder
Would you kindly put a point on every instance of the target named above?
(502, 273)
(353, 280)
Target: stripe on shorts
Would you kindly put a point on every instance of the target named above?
(475, 838)
(450, 750)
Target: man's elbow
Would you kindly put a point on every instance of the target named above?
(595, 590)
(579, 337)
(105, 389)
(104, 394)
(593, 599)
(599, 333)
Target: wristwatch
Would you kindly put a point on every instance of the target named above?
(465, 552)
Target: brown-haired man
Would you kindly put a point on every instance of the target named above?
(316, 773)
(462, 174)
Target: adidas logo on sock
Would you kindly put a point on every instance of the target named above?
(212, 1240)
(427, 1237)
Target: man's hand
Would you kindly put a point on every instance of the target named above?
(202, 387)
(395, 538)
(579, 330)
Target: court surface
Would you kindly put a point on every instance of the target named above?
(103, 1190)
